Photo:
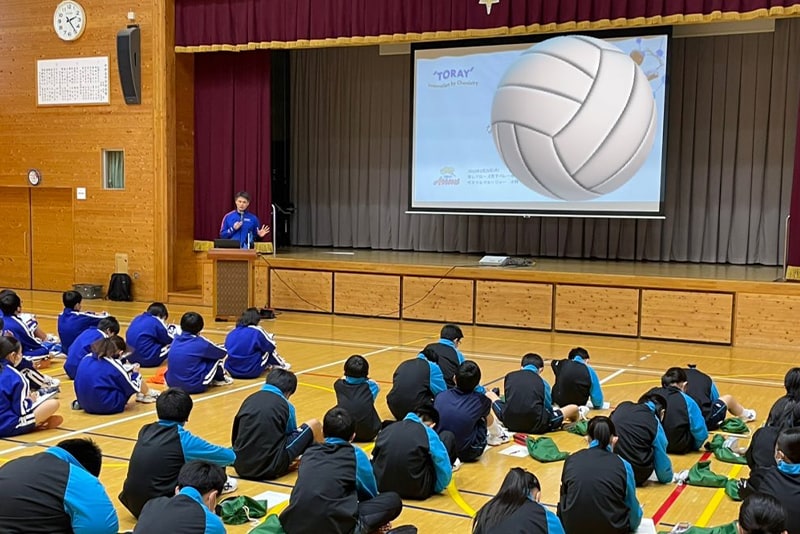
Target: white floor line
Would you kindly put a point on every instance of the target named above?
(201, 399)
(612, 376)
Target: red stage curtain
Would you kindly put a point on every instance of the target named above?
(232, 137)
(298, 23)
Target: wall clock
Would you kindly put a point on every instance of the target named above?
(69, 20)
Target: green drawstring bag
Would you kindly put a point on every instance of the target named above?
(723, 453)
(732, 489)
(544, 450)
(734, 425)
(729, 528)
(701, 475)
(580, 428)
(271, 525)
(717, 442)
(240, 509)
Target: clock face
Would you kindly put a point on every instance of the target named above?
(34, 177)
(69, 20)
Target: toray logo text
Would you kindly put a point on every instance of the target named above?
(452, 74)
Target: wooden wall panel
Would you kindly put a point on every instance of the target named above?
(260, 284)
(767, 320)
(53, 260)
(687, 315)
(65, 142)
(183, 255)
(367, 294)
(301, 290)
(435, 299)
(597, 310)
(15, 236)
(207, 268)
(514, 304)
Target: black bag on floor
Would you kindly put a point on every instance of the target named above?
(119, 287)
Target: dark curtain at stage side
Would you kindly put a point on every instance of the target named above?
(732, 119)
(232, 136)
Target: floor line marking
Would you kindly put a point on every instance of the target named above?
(201, 399)
(672, 497)
(713, 504)
(612, 376)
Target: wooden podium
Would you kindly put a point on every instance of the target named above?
(233, 282)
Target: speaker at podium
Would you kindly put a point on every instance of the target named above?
(233, 282)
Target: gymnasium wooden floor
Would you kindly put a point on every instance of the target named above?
(317, 345)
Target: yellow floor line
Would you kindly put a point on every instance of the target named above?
(459, 500)
(323, 388)
(705, 517)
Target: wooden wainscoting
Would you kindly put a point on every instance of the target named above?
(687, 315)
(375, 295)
(597, 310)
(301, 290)
(514, 304)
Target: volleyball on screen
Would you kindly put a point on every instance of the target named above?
(574, 118)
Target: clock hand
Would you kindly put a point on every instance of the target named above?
(73, 26)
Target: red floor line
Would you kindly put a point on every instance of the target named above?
(667, 504)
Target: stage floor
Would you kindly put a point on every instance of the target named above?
(704, 271)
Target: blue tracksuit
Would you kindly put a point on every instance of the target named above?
(52, 492)
(16, 411)
(193, 361)
(246, 234)
(103, 386)
(80, 348)
(71, 323)
(250, 350)
(149, 339)
(31, 345)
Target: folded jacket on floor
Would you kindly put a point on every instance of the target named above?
(701, 475)
(545, 450)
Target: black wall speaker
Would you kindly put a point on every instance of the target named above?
(129, 46)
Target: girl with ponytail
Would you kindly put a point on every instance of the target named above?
(598, 490)
(21, 410)
(516, 509)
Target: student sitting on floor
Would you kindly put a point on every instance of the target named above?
(149, 336)
(335, 491)
(265, 436)
(194, 361)
(791, 382)
(641, 438)
(43, 385)
(251, 349)
(516, 509)
(56, 491)
(468, 414)
(714, 407)
(82, 346)
(191, 509)
(356, 394)
(411, 459)
(528, 405)
(761, 514)
(105, 382)
(21, 411)
(72, 321)
(781, 481)
(683, 421)
(598, 491)
(448, 357)
(761, 452)
(36, 344)
(415, 383)
(576, 382)
(162, 448)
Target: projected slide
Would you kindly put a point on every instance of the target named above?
(571, 125)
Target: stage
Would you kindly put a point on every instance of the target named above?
(724, 304)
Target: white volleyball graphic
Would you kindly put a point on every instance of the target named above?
(574, 118)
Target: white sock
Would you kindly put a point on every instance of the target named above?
(494, 428)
